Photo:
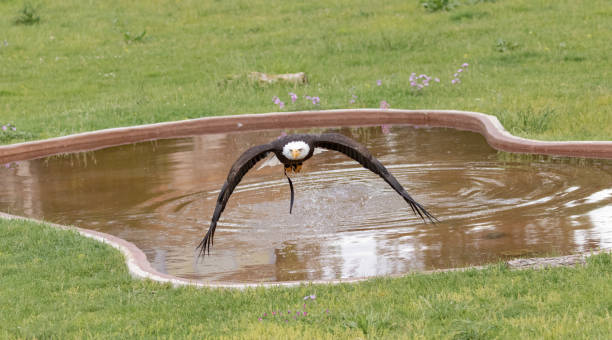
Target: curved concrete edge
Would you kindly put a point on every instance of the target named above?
(487, 125)
(140, 268)
(136, 260)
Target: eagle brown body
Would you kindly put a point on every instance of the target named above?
(330, 141)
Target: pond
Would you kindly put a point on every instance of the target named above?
(346, 221)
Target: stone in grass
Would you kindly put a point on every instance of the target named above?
(297, 78)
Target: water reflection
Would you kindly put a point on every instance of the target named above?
(346, 221)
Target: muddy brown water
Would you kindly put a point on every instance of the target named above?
(346, 221)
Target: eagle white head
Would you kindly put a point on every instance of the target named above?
(296, 150)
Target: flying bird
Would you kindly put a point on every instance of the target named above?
(292, 151)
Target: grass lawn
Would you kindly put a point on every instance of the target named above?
(542, 67)
(57, 284)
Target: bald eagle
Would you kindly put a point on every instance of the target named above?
(292, 151)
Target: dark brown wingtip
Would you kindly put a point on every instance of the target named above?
(420, 210)
(204, 247)
(431, 217)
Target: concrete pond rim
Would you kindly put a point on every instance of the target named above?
(139, 266)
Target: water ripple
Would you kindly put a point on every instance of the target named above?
(346, 222)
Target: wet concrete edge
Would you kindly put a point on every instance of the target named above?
(486, 125)
(140, 267)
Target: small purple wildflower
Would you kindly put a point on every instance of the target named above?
(379, 82)
(421, 81)
(4, 127)
(384, 105)
(293, 96)
(459, 72)
(278, 102)
(296, 316)
(314, 100)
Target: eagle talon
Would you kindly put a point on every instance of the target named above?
(293, 168)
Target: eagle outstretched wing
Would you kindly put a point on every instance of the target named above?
(244, 163)
(358, 152)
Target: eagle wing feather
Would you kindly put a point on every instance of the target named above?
(243, 164)
(358, 152)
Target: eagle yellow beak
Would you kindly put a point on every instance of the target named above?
(295, 153)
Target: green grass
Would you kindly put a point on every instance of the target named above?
(57, 284)
(70, 66)
(86, 65)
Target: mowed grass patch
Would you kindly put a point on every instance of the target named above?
(57, 284)
(73, 66)
(85, 66)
